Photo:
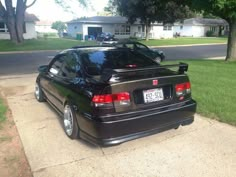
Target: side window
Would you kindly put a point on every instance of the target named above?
(70, 66)
(56, 65)
(139, 46)
(130, 46)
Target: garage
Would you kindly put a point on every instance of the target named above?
(94, 31)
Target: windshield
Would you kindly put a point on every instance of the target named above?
(113, 59)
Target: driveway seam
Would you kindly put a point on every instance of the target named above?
(66, 163)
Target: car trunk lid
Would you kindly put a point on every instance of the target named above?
(147, 87)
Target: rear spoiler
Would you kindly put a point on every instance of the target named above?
(110, 73)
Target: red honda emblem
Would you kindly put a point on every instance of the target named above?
(154, 82)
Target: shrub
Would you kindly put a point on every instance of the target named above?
(209, 33)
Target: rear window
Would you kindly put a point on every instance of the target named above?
(97, 61)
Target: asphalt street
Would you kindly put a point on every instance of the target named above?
(27, 63)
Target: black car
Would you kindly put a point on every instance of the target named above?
(106, 38)
(155, 54)
(109, 95)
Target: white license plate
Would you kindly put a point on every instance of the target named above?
(153, 95)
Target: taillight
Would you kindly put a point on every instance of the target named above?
(121, 99)
(183, 89)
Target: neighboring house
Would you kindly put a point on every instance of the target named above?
(118, 26)
(198, 27)
(29, 27)
(44, 26)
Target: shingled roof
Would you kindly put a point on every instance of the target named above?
(204, 21)
(28, 18)
(103, 20)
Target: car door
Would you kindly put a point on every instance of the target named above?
(53, 71)
(63, 83)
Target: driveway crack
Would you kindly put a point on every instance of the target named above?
(56, 165)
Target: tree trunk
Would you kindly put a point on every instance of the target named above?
(20, 16)
(11, 22)
(231, 48)
(147, 31)
(11, 25)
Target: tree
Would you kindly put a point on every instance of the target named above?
(59, 26)
(225, 9)
(150, 11)
(66, 4)
(111, 8)
(14, 18)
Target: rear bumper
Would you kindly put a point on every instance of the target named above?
(124, 128)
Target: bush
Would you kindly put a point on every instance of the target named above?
(133, 38)
(209, 34)
(47, 35)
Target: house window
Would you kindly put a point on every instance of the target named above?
(3, 27)
(181, 27)
(139, 29)
(213, 28)
(167, 28)
(122, 30)
(143, 28)
(24, 28)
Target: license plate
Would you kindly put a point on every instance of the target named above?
(153, 95)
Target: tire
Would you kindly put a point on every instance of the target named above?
(162, 57)
(39, 93)
(70, 123)
(177, 127)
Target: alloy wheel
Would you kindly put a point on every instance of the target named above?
(68, 120)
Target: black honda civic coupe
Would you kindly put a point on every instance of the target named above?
(109, 95)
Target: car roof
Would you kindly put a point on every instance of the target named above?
(129, 42)
(103, 46)
(94, 47)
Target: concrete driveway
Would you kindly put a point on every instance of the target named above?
(206, 148)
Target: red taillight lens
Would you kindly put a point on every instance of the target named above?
(183, 88)
(103, 100)
(180, 87)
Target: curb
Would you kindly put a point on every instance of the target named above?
(216, 58)
(32, 51)
(15, 76)
(187, 45)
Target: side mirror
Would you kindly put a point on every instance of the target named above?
(43, 69)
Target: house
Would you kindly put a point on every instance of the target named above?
(118, 26)
(29, 27)
(198, 27)
(44, 26)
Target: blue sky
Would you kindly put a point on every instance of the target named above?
(48, 10)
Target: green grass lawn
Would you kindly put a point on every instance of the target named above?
(184, 41)
(59, 44)
(41, 44)
(3, 110)
(214, 88)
